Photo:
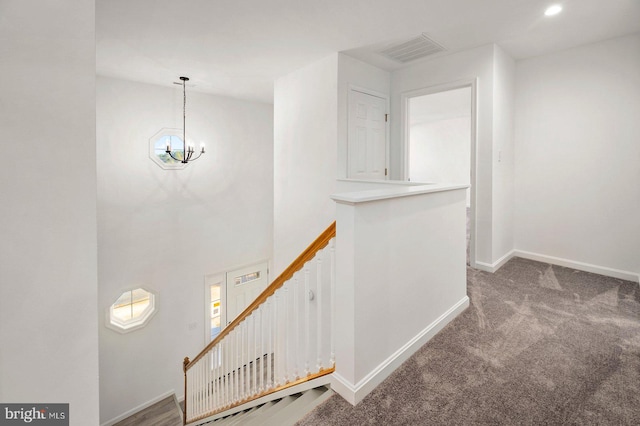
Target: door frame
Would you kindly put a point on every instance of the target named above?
(221, 277)
(375, 93)
(404, 137)
(209, 280)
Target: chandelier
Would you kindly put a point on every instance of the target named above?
(187, 150)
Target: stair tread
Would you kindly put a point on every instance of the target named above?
(275, 409)
(259, 411)
(295, 409)
(234, 419)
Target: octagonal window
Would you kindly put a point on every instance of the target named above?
(158, 148)
(132, 310)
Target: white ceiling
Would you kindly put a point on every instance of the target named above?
(239, 47)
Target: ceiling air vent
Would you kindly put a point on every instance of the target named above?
(413, 49)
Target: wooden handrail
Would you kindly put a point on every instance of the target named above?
(321, 242)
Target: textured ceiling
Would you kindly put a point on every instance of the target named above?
(239, 47)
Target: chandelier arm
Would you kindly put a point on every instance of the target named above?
(171, 155)
(195, 158)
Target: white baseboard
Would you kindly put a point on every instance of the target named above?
(492, 267)
(138, 408)
(596, 269)
(355, 393)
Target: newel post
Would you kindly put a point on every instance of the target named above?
(184, 369)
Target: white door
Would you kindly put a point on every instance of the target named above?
(243, 286)
(367, 152)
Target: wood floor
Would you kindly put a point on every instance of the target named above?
(162, 413)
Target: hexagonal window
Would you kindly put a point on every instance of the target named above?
(158, 148)
(132, 310)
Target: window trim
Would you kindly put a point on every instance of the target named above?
(135, 323)
(152, 148)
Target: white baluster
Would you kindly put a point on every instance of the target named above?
(241, 366)
(219, 400)
(285, 332)
(332, 308)
(216, 376)
(229, 369)
(187, 397)
(205, 374)
(196, 407)
(189, 393)
(319, 256)
(248, 373)
(296, 320)
(210, 381)
(228, 353)
(203, 387)
(199, 393)
(276, 353)
(262, 335)
(256, 322)
(269, 321)
(193, 390)
(232, 364)
(238, 340)
(245, 356)
(225, 368)
(207, 378)
(307, 315)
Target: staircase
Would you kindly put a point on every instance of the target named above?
(279, 412)
(280, 347)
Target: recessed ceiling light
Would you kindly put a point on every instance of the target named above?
(553, 10)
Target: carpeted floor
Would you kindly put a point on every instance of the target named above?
(540, 344)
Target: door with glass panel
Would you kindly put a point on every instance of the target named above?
(243, 285)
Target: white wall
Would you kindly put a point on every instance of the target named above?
(305, 157)
(468, 65)
(440, 137)
(167, 229)
(400, 274)
(310, 137)
(502, 239)
(577, 154)
(48, 278)
(440, 151)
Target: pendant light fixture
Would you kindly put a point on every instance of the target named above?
(187, 150)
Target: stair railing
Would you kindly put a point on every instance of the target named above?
(280, 340)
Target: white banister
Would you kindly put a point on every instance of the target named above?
(332, 307)
(319, 310)
(307, 315)
(296, 314)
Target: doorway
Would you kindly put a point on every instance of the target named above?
(368, 151)
(227, 294)
(440, 139)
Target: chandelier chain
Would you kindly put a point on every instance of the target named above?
(187, 150)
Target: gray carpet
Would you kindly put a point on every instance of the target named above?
(540, 344)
